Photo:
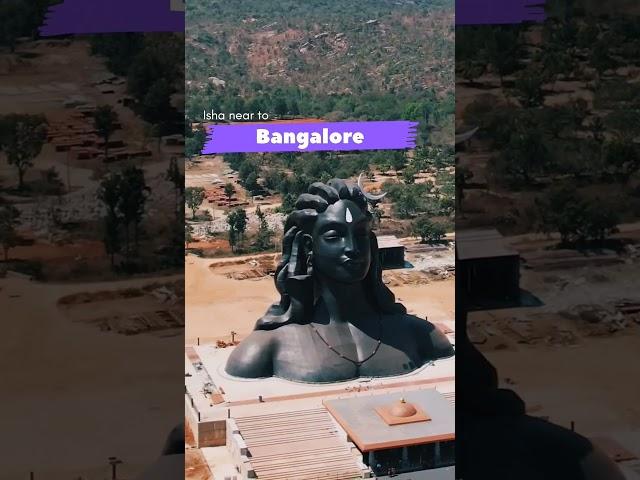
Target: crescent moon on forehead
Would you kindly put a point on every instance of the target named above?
(370, 197)
(463, 137)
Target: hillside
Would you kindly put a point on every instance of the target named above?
(556, 105)
(337, 60)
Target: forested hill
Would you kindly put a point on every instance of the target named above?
(273, 10)
(371, 59)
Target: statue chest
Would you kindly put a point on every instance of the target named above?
(332, 355)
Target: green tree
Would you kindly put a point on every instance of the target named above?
(624, 157)
(463, 175)
(255, 104)
(237, 221)
(471, 69)
(152, 131)
(529, 88)
(241, 222)
(176, 177)
(273, 178)
(229, 190)
(9, 220)
(233, 238)
(109, 195)
(105, 120)
(156, 104)
(25, 137)
(503, 50)
(294, 110)
(406, 204)
(247, 168)
(280, 106)
(377, 213)
(556, 62)
(12, 20)
(565, 119)
(161, 58)
(111, 237)
(119, 49)
(194, 196)
(625, 123)
(21, 18)
(188, 235)
(409, 174)
(600, 56)
(578, 219)
(134, 193)
(251, 182)
(587, 35)
(264, 235)
(597, 129)
(525, 156)
(427, 230)
(398, 160)
(235, 160)
(195, 143)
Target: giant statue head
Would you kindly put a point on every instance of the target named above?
(328, 239)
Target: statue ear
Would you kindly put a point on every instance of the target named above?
(308, 243)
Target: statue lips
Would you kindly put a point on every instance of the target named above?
(353, 262)
(355, 266)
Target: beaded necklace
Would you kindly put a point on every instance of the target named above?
(357, 363)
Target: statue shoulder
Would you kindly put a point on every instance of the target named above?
(439, 343)
(433, 342)
(253, 358)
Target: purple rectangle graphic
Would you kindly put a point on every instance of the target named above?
(310, 137)
(112, 16)
(494, 12)
(116, 16)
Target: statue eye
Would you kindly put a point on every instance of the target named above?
(331, 235)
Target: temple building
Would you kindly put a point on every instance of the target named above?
(413, 433)
(273, 429)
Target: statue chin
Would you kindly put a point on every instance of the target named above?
(349, 276)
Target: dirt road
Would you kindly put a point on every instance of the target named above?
(56, 370)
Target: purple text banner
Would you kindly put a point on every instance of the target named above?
(495, 12)
(310, 137)
(113, 16)
(119, 16)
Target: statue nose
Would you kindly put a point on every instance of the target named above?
(351, 247)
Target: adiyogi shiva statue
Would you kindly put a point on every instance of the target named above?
(336, 320)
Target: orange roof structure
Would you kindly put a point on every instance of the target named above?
(401, 412)
(378, 422)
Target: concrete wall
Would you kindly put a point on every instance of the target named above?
(207, 433)
(191, 416)
(212, 433)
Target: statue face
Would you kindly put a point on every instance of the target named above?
(341, 248)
